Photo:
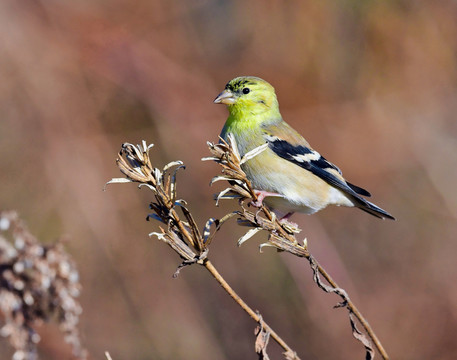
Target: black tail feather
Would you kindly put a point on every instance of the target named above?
(358, 189)
(372, 209)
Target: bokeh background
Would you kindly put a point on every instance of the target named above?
(371, 84)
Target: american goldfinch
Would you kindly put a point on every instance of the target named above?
(288, 176)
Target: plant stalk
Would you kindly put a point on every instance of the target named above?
(210, 267)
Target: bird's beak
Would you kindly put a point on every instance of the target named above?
(225, 97)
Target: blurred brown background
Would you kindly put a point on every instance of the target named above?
(371, 84)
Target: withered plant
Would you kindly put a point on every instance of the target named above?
(180, 231)
(38, 283)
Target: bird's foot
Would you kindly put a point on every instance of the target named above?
(261, 195)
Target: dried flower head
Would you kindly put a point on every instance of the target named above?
(37, 282)
(182, 235)
(280, 234)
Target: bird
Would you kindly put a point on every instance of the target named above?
(289, 176)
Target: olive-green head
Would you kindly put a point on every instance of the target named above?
(249, 95)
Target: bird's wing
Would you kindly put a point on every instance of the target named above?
(288, 144)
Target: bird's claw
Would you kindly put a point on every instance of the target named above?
(258, 203)
(261, 195)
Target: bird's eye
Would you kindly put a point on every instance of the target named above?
(246, 91)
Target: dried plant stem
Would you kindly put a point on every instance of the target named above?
(184, 236)
(210, 267)
(349, 304)
(351, 307)
(218, 277)
(182, 228)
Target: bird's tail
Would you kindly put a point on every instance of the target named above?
(371, 208)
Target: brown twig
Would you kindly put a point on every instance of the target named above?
(289, 353)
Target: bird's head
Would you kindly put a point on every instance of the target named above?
(249, 95)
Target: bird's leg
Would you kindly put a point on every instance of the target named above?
(260, 196)
(286, 217)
